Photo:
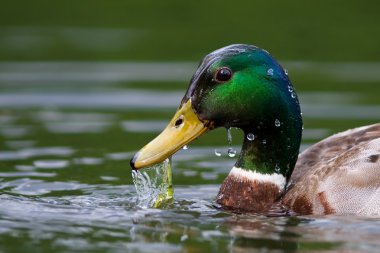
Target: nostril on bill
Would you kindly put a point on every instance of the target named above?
(179, 121)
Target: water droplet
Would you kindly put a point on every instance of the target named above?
(217, 152)
(270, 72)
(250, 136)
(303, 127)
(229, 136)
(264, 141)
(185, 147)
(277, 169)
(291, 90)
(286, 72)
(231, 152)
(184, 237)
(277, 123)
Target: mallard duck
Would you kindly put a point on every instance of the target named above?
(243, 86)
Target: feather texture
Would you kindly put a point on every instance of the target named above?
(340, 174)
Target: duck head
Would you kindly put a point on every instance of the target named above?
(239, 86)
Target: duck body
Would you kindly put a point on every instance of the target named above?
(338, 175)
(243, 86)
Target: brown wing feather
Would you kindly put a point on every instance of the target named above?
(340, 174)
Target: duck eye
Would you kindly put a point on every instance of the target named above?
(223, 75)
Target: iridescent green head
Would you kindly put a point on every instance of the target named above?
(239, 86)
(244, 86)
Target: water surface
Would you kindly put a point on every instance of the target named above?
(66, 141)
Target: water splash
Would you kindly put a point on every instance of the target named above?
(153, 185)
(217, 152)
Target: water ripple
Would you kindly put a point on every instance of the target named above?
(26, 174)
(88, 161)
(51, 164)
(35, 152)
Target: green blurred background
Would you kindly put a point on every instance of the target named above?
(89, 30)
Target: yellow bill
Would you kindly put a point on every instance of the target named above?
(182, 129)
